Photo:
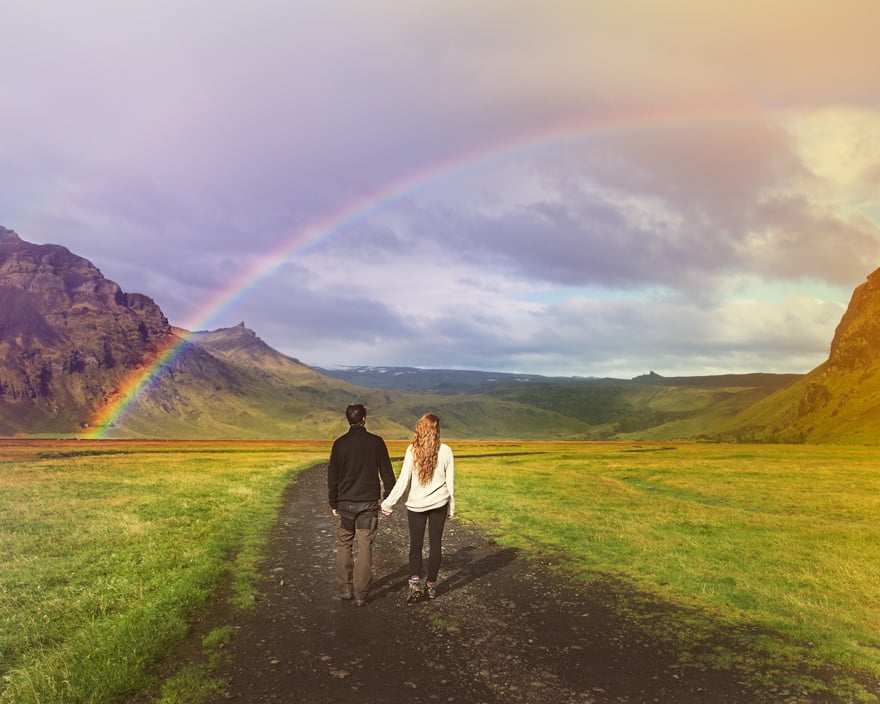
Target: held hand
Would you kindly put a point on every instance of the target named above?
(386, 512)
(334, 511)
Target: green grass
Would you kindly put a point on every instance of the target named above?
(760, 559)
(108, 548)
(195, 683)
(783, 539)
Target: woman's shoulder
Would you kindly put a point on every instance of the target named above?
(445, 448)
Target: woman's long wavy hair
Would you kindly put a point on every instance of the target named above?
(426, 446)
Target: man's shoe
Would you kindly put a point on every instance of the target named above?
(415, 590)
(346, 594)
(431, 589)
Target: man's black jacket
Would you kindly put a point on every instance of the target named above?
(357, 460)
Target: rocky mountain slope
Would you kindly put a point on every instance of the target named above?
(72, 341)
(229, 383)
(67, 336)
(838, 401)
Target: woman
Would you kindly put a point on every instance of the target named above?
(428, 469)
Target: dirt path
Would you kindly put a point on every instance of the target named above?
(502, 629)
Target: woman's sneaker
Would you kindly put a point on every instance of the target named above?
(415, 590)
(431, 589)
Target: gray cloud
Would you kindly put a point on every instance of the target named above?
(175, 144)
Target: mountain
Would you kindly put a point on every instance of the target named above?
(435, 381)
(648, 407)
(257, 392)
(838, 401)
(72, 343)
(229, 383)
(67, 336)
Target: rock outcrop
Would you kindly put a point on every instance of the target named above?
(67, 336)
(856, 343)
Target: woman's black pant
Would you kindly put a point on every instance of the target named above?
(435, 520)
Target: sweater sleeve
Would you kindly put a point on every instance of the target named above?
(386, 472)
(401, 483)
(333, 477)
(450, 479)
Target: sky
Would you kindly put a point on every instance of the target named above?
(560, 187)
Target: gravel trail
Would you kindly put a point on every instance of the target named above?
(503, 628)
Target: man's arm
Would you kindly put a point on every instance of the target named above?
(386, 472)
(333, 478)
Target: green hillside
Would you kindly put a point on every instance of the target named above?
(839, 401)
(823, 407)
(647, 408)
(233, 385)
(229, 384)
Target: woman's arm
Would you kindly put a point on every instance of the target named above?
(450, 481)
(401, 483)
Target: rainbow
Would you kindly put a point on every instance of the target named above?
(361, 208)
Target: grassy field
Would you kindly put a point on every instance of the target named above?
(108, 547)
(769, 554)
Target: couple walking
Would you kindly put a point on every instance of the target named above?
(358, 460)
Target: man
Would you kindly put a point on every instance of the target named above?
(357, 461)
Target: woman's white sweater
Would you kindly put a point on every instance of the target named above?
(425, 497)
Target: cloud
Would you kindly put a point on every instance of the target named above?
(671, 207)
(558, 186)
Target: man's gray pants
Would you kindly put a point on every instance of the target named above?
(356, 526)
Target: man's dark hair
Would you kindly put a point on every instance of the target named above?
(356, 412)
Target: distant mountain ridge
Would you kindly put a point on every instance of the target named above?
(453, 381)
(69, 338)
(441, 381)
